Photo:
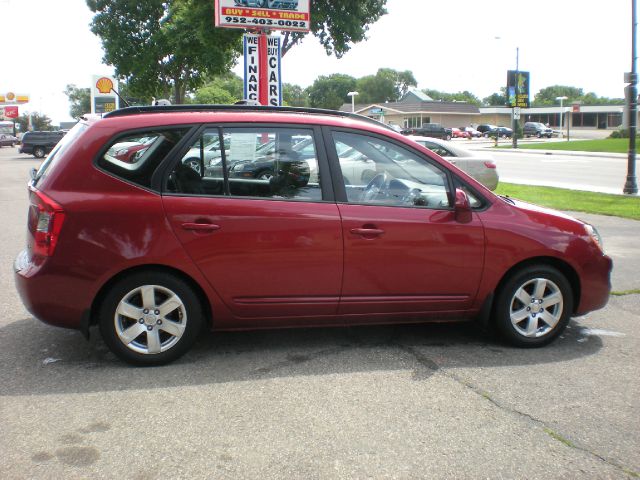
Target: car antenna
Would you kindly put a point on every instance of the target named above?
(121, 98)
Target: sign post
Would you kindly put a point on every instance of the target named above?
(517, 96)
(262, 73)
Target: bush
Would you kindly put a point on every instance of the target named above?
(622, 133)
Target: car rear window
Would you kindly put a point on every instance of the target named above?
(134, 157)
(59, 149)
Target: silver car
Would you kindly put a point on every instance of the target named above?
(480, 166)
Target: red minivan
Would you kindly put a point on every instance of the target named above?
(356, 225)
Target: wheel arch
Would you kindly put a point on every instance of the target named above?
(197, 289)
(563, 267)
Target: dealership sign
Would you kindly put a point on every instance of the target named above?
(262, 80)
(291, 15)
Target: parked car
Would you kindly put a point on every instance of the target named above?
(536, 129)
(501, 132)
(7, 140)
(473, 133)
(38, 143)
(479, 165)
(459, 133)
(485, 128)
(152, 251)
(434, 130)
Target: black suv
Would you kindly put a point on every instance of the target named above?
(39, 144)
(536, 129)
(434, 130)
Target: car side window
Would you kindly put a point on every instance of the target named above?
(379, 172)
(135, 157)
(278, 163)
(439, 149)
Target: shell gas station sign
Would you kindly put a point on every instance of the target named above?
(11, 98)
(103, 97)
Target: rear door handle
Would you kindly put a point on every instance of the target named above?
(201, 227)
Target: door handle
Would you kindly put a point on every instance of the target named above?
(367, 232)
(201, 227)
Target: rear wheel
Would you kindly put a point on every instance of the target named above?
(38, 152)
(150, 318)
(534, 306)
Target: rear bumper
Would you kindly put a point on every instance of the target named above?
(51, 300)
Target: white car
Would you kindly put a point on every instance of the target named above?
(480, 166)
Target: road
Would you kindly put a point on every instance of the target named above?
(403, 402)
(591, 173)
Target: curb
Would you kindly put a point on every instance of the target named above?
(569, 153)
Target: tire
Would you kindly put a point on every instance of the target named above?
(264, 175)
(39, 152)
(528, 296)
(194, 163)
(485, 135)
(539, 135)
(448, 137)
(168, 320)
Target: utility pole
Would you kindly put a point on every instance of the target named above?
(631, 185)
(513, 110)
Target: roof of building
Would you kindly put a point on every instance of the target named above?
(415, 107)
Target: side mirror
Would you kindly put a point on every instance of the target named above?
(462, 207)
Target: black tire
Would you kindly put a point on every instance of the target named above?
(448, 137)
(515, 318)
(39, 152)
(539, 135)
(174, 330)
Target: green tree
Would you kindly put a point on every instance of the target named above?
(294, 95)
(39, 122)
(222, 89)
(331, 91)
(338, 23)
(464, 96)
(496, 99)
(79, 99)
(163, 48)
(547, 96)
(387, 85)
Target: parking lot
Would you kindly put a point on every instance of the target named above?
(435, 401)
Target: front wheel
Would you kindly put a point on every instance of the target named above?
(150, 318)
(534, 306)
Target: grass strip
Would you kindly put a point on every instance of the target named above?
(574, 200)
(606, 145)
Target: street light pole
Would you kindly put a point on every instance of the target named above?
(353, 101)
(631, 185)
(561, 99)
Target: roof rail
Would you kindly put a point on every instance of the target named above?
(238, 107)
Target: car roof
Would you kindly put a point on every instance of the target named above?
(180, 114)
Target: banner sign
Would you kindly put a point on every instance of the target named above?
(256, 67)
(103, 98)
(517, 89)
(294, 15)
(273, 71)
(251, 68)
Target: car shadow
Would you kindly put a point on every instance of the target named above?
(38, 359)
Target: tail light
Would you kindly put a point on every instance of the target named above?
(490, 164)
(45, 223)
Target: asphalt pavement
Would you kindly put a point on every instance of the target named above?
(397, 402)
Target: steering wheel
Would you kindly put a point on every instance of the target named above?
(375, 187)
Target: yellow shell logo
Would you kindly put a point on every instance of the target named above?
(11, 96)
(104, 85)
